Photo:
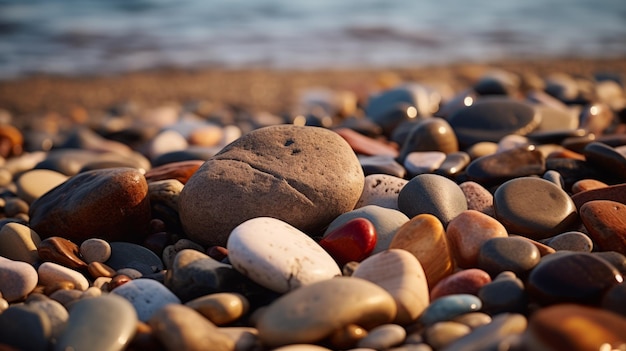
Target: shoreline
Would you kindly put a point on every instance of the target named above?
(255, 89)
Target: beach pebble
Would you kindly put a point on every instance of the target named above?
(166, 141)
(606, 158)
(615, 193)
(57, 314)
(407, 286)
(385, 220)
(66, 297)
(17, 279)
(353, 241)
(467, 281)
(288, 166)
(420, 162)
(95, 250)
(491, 336)
(244, 338)
(571, 277)
(129, 255)
(99, 269)
(425, 238)
(146, 295)
(499, 167)
(25, 328)
(72, 161)
(467, 232)
(535, 208)
(383, 337)
(381, 165)
(381, 190)
(605, 221)
(302, 347)
(453, 164)
(347, 336)
(278, 256)
(505, 294)
(587, 184)
(313, 312)
(110, 320)
(50, 273)
(448, 307)
(441, 334)
(596, 118)
(62, 251)
(478, 198)
(206, 135)
(19, 243)
(221, 308)
(507, 254)
(364, 145)
(429, 134)
(571, 241)
(181, 171)
(179, 327)
(473, 319)
(434, 194)
(110, 203)
(512, 141)
(33, 184)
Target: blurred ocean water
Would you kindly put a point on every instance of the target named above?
(80, 37)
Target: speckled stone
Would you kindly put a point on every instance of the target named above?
(467, 232)
(381, 190)
(95, 250)
(278, 256)
(478, 198)
(499, 167)
(508, 254)
(571, 241)
(448, 307)
(606, 223)
(467, 281)
(383, 337)
(17, 279)
(147, 296)
(434, 194)
(19, 243)
(535, 208)
(33, 184)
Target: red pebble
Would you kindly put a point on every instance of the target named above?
(467, 281)
(353, 241)
(217, 252)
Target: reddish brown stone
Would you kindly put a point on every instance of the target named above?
(11, 141)
(467, 281)
(61, 251)
(180, 171)
(614, 193)
(364, 145)
(587, 184)
(467, 232)
(606, 223)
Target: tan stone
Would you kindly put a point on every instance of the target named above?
(19, 243)
(467, 232)
(221, 308)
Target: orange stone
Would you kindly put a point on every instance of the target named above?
(209, 135)
(587, 184)
(467, 232)
(613, 193)
(365, 145)
(606, 223)
(180, 171)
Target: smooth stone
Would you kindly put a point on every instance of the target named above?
(365, 145)
(597, 118)
(301, 347)
(615, 193)
(573, 170)
(385, 220)
(535, 208)
(347, 337)
(490, 119)
(407, 286)
(110, 204)
(98, 269)
(554, 177)
(448, 307)
(19, 243)
(434, 194)
(57, 315)
(556, 136)
(245, 338)
(71, 161)
(11, 141)
(87, 139)
(473, 319)
(62, 251)
(497, 82)
(278, 256)
(285, 164)
(587, 184)
(457, 102)
(430, 134)
(504, 295)
(467, 281)
(164, 142)
(441, 334)
(181, 171)
(179, 327)
(381, 190)
(129, 255)
(556, 119)
(164, 201)
(571, 241)
(102, 323)
(16, 207)
(467, 232)
(95, 250)
(478, 198)
(615, 299)
(221, 308)
(483, 148)
(508, 254)
(33, 184)
(453, 164)
(575, 328)
(147, 296)
(25, 328)
(66, 297)
(606, 223)
(500, 167)
(381, 165)
(50, 273)
(313, 312)
(571, 277)
(420, 162)
(206, 135)
(353, 241)
(192, 153)
(425, 238)
(17, 279)
(489, 336)
(606, 158)
(383, 337)
(512, 141)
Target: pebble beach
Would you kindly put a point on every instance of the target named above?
(468, 206)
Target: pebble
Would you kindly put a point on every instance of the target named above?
(408, 286)
(181, 171)
(50, 273)
(434, 194)
(164, 142)
(491, 336)
(473, 319)
(571, 241)
(62, 251)
(420, 162)
(429, 134)
(606, 158)
(25, 328)
(129, 255)
(19, 243)
(535, 208)
(278, 256)
(448, 307)
(508, 254)
(110, 321)
(147, 296)
(17, 279)
(33, 184)
(441, 334)
(478, 198)
(95, 250)
(587, 184)
(365, 145)
(606, 223)
(504, 295)
(381, 190)
(57, 314)
(383, 337)
(347, 336)
(425, 237)
(353, 241)
(499, 167)
(467, 281)
(453, 164)
(221, 308)
(615, 193)
(289, 166)
(381, 165)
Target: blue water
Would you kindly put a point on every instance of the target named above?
(91, 37)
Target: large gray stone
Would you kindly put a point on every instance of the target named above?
(305, 176)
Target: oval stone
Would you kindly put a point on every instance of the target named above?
(467, 281)
(535, 208)
(508, 254)
(129, 255)
(305, 176)
(95, 250)
(383, 337)
(448, 307)
(468, 232)
(313, 312)
(278, 256)
(50, 273)
(606, 223)
(17, 279)
(221, 308)
(430, 134)
(606, 158)
(19, 243)
(353, 241)
(147, 296)
(571, 241)
(108, 203)
(381, 190)
(489, 336)
(33, 184)
(502, 166)
(24, 328)
(478, 198)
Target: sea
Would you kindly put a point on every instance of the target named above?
(87, 37)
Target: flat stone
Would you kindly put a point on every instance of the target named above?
(129, 255)
(33, 184)
(100, 323)
(453, 164)
(441, 334)
(430, 134)
(381, 165)
(467, 281)
(447, 307)
(24, 328)
(72, 161)
(616, 259)
(571, 241)
(147, 296)
(489, 336)
(365, 145)
(587, 184)
(615, 193)
(606, 158)
(17, 279)
(606, 223)
(278, 256)
(286, 166)
(181, 171)
(433, 194)
(535, 208)
(467, 232)
(500, 167)
(110, 203)
(221, 308)
(50, 273)
(383, 337)
(478, 198)
(408, 285)
(62, 251)
(19, 243)
(508, 254)
(95, 250)
(420, 162)
(425, 237)
(313, 312)
(504, 295)
(573, 170)
(381, 190)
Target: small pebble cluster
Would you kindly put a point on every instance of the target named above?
(418, 219)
